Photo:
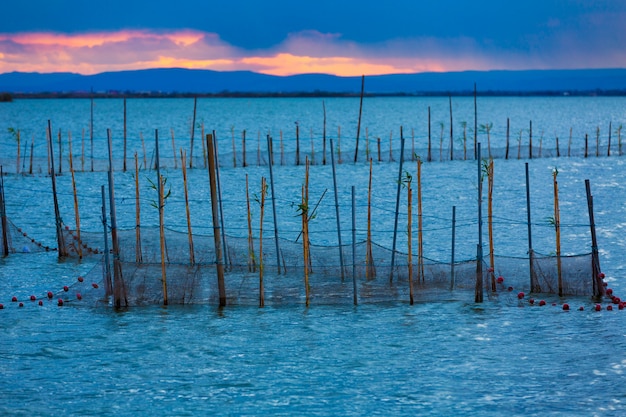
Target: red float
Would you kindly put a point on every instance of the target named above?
(565, 306)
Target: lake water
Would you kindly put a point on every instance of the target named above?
(444, 356)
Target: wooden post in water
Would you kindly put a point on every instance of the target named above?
(62, 250)
(452, 248)
(410, 237)
(261, 265)
(420, 219)
(358, 128)
(216, 223)
(530, 141)
(183, 164)
(193, 131)
(124, 162)
(79, 245)
(478, 292)
(586, 145)
(332, 158)
(354, 289)
(162, 239)
(251, 258)
(430, 156)
(32, 148)
(598, 141)
(108, 284)
(82, 153)
(60, 153)
(297, 143)
(219, 199)
(490, 223)
(534, 283)
(557, 228)
(305, 232)
(558, 152)
(243, 148)
(451, 131)
(324, 135)
(475, 124)
(596, 276)
(3, 217)
(269, 147)
(174, 150)
(508, 129)
(138, 254)
(395, 223)
(91, 127)
(370, 270)
(608, 147)
(119, 287)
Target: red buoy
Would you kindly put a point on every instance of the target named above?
(616, 300)
(609, 307)
(510, 288)
(94, 285)
(620, 306)
(609, 291)
(565, 306)
(66, 288)
(33, 298)
(500, 280)
(598, 307)
(50, 295)
(601, 275)
(21, 304)
(59, 302)
(531, 301)
(581, 308)
(520, 295)
(79, 296)
(80, 279)
(14, 299)
(1, 306)
(542, 303)
(40, 302)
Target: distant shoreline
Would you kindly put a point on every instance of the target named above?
(315, 94)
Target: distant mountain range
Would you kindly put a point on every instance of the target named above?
(187, 81)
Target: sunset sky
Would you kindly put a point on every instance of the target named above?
(284, 37)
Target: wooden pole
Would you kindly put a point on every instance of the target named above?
(297, 143)
(530, 141)
(608, 147)
(62, 250)
(119, 287)
(251, 257)
(261, 265)
(451, 131)
(475, 124)
(183, 164)
(332, 158)
(508, 128)
(91, 128)
(216, 223)
(410, 239)
(558, 152)
(534, 283)
(370, 270)
(243, 148)
(586, 145)
(324, 135)
(32, 148)
(395, 224)
(557, 228)
(232, 134)
(490, 223)
(82, 153)
(174, 150)
(358, 128)
(305, 232)
(108, 283)
(420, 220)
(3, 214)
(430, 156)
(219, 198)
(598, 141)
(60, 153)
(478, 293)
(138, 254)
(569, 143)
(76, 212)
(452, 248)
(143, 146)
(354, 289)
(596, 277)
(269, 147)
(193, 131)
(17, 166)
(162, 239)
(124, 162)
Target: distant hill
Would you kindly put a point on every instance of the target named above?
(187, 81)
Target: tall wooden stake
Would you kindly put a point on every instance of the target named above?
(62, 250)
(124, 163)
(108, 283)
(358, 128)
(162, 239)
(534, 283)
(193, 131)
(598, 288)
(183, 164)
(119, 287)
(341, 262)
(76, 212)
(557, 228)
(478, 293)
(216, 222)
(395, 224)
(138, 254)
(269, 147)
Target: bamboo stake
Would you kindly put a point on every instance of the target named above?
(124, 163)
(332, 158)
(232, 133)
(410, 238)
(219, 198)
(174, 150)
(193, 131)
(32, 148)
(358, 128)
(297, 143)
(143, 146)
(183, 164)
(530, 141)
(451, 131)
(534, 283)
(478, 292)
(598, 288)
(108, 284)
(490, 222)
(269, 147)
(430, 155)
(557, 228)
(391, 145)
(586, 145)
(339, 145)
(608, 148)
(305, 231)
(420, 230)
(62, 250)
(60, 154)
(138, 255)
(204, 151)
(82, 152)
(598, 141)
(119, 287)
(91, 128)
(76, 212)
(324, 135)
(370, 270)
(452, 248)
(258, 149)
(3, 217)
(162, 239)
(558, 152)
(282, 149)
(379, 158)
(312, 149)
(251, 257)
(569, 143)
(508, 128)
(475, 125)
(395, 225)
(354, 289)
(216, 223)
(243, 148)
(261, 265)
(17, 168)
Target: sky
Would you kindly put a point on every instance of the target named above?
(286, 37)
